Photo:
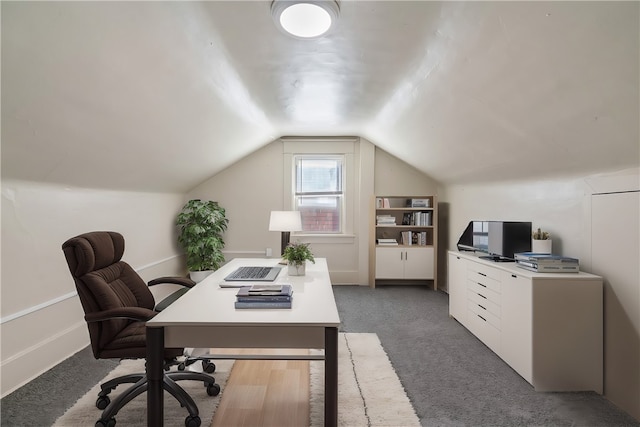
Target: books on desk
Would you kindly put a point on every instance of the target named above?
(264, 296)
(547, 263)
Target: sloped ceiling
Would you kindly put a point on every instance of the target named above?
(161, 96)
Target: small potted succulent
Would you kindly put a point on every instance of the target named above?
(297, 254)
(541, 242)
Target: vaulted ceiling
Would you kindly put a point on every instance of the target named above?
(160, 96)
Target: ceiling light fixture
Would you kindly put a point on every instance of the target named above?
(305, 19)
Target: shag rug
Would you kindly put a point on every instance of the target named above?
(369, 391)
(84, 411)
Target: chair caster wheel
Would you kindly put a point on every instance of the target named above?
(208, 367)
(192, 421)
(102, 402)
(213, 389)
(106, 423)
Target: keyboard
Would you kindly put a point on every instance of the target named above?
(266, 274)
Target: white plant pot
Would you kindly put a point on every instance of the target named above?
(199, 276)
(541, 246)
(297, 269)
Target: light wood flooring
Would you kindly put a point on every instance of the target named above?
(265, 392)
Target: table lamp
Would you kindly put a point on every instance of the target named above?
(286, 222)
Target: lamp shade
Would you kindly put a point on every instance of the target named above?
(285, 221)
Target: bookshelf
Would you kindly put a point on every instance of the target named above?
(403, 240)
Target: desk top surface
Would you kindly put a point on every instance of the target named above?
(207, 304)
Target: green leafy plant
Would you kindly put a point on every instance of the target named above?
(297, 253)
(540, 235)
(200, 225)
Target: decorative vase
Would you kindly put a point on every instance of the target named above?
(541, 246)
(199, 276)
(297, 269)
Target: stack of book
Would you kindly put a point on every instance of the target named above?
(264, 296)
(547, 263)
(385, 220)
(388, 242)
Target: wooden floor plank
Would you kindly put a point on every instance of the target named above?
(269, 393)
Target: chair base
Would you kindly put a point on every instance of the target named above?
(140, 385)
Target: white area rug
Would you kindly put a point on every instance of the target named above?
(369, 391)
(84, 412)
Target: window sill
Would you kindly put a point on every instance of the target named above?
(325, 238)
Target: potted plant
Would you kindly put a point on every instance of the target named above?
(200, 225)
(296, 254)
(541, 242)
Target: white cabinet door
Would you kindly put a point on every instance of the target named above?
(457, 288)
(516, 346)
(389, 263)
(418, 263)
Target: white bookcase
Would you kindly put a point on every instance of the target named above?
(403, 240)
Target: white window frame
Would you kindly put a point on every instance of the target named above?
(341, 193)
(319, 146)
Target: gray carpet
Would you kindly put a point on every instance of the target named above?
(451, 378)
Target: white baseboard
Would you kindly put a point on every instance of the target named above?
(23, 367)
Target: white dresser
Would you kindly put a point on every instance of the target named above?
(548, 327)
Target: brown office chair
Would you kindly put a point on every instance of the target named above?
(117, 303)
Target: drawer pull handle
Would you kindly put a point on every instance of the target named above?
(481, 307)
(484, 286)
(514, 276)
(480, 295)
(482, 274)
(482, 318)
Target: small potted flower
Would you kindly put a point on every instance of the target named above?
(541, 243)
(297, 254)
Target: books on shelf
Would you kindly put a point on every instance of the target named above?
(418, 203)
(547, 263)
(382, 203)
(385, 220)
(388, 242)
(411, 238)
(264, 296)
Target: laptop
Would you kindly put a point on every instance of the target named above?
(254, 274)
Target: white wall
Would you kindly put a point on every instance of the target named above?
(42, 319)
(563, 206)
(250, 189)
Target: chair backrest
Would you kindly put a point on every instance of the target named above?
(104, 281)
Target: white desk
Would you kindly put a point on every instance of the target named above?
(205, 317)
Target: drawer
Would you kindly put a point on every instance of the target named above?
(487, 303)
(485, 270)
(480, 308)
(484, 291)
(484, 280)
(486, 333)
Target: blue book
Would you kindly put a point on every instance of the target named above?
(263, 304)
(266, 298)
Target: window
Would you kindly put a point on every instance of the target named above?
(319, 192)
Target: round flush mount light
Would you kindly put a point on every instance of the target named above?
(305, 19)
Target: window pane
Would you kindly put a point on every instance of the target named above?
(320, 214)
(318, 175)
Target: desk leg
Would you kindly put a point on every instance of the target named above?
(331, 377)
(155, 377)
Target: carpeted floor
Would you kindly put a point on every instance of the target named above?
(451, 378)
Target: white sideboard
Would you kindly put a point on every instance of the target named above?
(547, 326)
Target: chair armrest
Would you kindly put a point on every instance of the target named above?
(133, 313)
(182, 281)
